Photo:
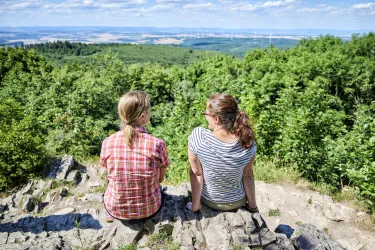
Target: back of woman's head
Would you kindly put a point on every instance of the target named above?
(232, 119)
(130, 107)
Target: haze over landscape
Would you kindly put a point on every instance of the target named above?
(227, 14)
(151, 22)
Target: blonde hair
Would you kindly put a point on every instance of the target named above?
(130, 107)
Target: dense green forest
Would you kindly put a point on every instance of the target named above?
(61, 53)
(313, 107)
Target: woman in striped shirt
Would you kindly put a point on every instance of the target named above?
(221, 158)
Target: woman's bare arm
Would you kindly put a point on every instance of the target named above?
(196, 180)
(249, 183)
(162, 172)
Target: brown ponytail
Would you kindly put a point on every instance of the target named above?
(231, 118)
(243, 130)
(131, 106)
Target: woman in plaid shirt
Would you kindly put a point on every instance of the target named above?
(136, 162)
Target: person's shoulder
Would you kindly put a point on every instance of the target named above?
(157, 140)
(114, 136)
(198, 131)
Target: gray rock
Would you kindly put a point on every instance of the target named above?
(240, 238)
(48, 185)
(235, 220)
(27, 188)
(283, 242)
(28, 204)
(39, 187)
(72, 176)
(250, 226)
(254, 240)
(273, 246)
(84, 178)
(266, 237)
(16, 237)
(3, 207)
(337, 212)
(351, 243)
(206, 229)
(92, 197)
(259, 221)
(63, 192)
(51, 196)
(65, 211)
(94, 184)
(16, 199)
(3, 237)
(8, 201)
(13, 246)
(307, 237)
(187, 248)
(63, 169)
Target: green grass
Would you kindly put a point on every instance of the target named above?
(131, 246)
(274, 212)
(270, 172)
(98, 189)
(163, 241)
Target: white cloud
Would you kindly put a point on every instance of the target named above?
(273, 4)
(173, 1)
(364, 6)
(324, 8)
(242, 6)
(199, 6)
(162, 7)
(23, 5)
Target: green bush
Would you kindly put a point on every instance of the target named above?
(22, 151)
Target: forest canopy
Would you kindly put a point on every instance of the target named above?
(312, 106)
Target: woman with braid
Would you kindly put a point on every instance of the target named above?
(221, 158)
(136, 163)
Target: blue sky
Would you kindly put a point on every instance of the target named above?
(273, 14)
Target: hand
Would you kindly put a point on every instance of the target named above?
(189, 206)
(251, 209)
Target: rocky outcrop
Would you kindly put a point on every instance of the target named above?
(69, 214)
(207, 229)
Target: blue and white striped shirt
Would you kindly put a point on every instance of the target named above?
(223, 165)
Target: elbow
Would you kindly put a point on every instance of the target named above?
(195, 172)
(248, 178)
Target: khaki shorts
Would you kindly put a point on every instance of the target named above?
(224, 206)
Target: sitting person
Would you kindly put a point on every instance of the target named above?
(221, 158)
(136, 163)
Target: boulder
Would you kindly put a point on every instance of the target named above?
(72, 176)
(63, 169)
(27, 204)
(307, 237)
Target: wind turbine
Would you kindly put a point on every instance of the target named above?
(270, 38)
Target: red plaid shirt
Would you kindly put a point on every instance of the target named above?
(133, 190)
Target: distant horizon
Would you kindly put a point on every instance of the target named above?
(178, 27)
(227, 14)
